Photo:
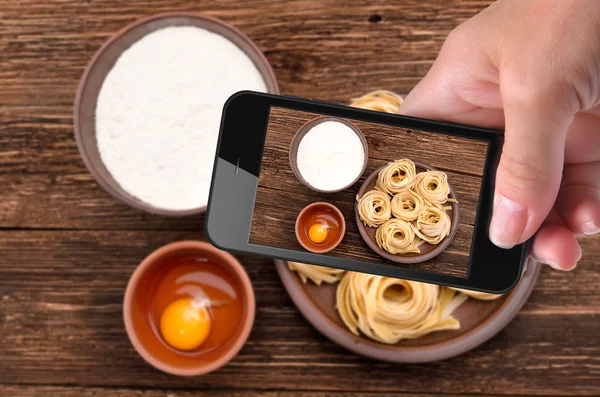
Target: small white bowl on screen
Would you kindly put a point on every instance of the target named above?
(330, 156)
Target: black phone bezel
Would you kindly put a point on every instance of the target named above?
(235, 179)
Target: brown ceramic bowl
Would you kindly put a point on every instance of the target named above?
(428, 251)
(304, 130)
(479, 320)
(142, 331)
(84, 113)
(302, 228)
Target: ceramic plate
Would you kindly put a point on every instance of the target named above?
(480, 320)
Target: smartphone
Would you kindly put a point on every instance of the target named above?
(256, 196)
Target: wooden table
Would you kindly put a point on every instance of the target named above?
(280, 196)
(67, 249)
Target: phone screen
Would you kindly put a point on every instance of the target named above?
(281, 196)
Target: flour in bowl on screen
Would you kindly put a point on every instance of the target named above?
(330, 156)
(159, 112)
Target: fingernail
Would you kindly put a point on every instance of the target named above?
(508, 222)
(589, 228)
(553, 265)
(574, 266)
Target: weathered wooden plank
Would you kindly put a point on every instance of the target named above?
(61, 291)
(61, 323)
(278, 177)
(321, 49)
(281, 196)
(274, 226)
(326, 47)
(57, 391)
(386, 143)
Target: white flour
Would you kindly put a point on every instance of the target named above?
(159, 112)
(330, 156)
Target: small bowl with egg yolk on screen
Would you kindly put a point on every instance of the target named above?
(328, 154)
(320, 227)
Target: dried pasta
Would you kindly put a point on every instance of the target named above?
(432, 186)
(407, 205)
(380, 100)
(374, 208)
(388, 309)
(417, 203)
(397, 176)
(432, 225)
(317, 274)
(397, 237)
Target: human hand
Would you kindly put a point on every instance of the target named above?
(531, 68)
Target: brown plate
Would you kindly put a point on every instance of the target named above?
(428, 251)
(84, 113)
(480, 320)
(304, 130)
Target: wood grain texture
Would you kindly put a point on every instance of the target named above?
(61, 323)
(332, 50)
(281, 196)
(53, 391)
(61, 288)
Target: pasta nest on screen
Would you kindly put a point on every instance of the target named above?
(407, 208)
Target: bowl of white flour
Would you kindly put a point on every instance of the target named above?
(148, 108)
(328, 154)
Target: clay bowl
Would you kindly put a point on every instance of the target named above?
(304, 130)
(142, 328)
(302, 227)
(428, 251)
(84, 112)
(480, 320)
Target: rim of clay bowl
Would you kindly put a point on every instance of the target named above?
(228, 261)
(302, 131)
(95, 166)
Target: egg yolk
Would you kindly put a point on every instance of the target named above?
(317, 233)
(184, 324)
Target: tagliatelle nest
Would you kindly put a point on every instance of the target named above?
(379, 100)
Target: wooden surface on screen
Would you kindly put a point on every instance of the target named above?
(281, 196)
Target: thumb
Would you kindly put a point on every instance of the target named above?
(437, 97)
(530, 170)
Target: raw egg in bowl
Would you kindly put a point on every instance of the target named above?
(320, 227)
(189, 308)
